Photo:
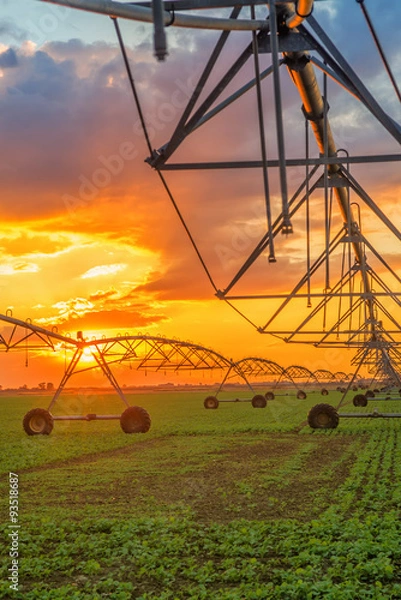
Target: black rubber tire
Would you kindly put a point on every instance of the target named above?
(360, 400)
(259, 401)
(323, 416)
(135, 419)
(269, 396)
(324, 392)
(211, 402)
(370, 394)
(354, 388)
(38, 421)
(301, 395)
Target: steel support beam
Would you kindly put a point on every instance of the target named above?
(290, 162)
(303, 75)
(144, 14)
(187, 125)
(180, 132)
(388, 123)
(69, 371)
(205, 4)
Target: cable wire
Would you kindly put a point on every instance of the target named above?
(147, 138)
(132, 83)
(379, 48)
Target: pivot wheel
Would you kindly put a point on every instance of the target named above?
(360, 400)
(259, 401)
(269, 395)
(135, 419)
(211, 402)
(324, 392)
(38, 421)
(301, 395)
(370, 394)
(323, 416)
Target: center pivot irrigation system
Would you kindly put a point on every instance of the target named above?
(144, 352)
(349, 294)
(141, 352)
(160, 354)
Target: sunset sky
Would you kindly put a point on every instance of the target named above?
(89, 239)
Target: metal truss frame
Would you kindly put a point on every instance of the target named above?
(254, 367)
(148, 353)
(142, 353)
(301, 373)
(297, 42)
(161, 354)
(334, 177)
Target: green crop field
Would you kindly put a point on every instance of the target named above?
(234, 503)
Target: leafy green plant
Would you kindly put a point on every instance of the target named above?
(223, 504)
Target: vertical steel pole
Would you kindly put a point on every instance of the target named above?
(159, 35)
(262, 137)
(287, 227)
(326, 183)
(307, 204)
(70, 370)
(101, 361)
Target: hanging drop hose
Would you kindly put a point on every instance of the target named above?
(262, 138)
(304, 78)
(307, 205)
(326, 186)
(286, 226)
(159, 36)
(343, 261)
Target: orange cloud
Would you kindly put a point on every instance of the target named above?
(78, 202)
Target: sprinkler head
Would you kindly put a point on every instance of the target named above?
(287, 227)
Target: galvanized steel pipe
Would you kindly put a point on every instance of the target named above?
(303, 10)
(144, 14)
(303, 75)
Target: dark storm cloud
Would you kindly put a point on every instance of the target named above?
(8, 59)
